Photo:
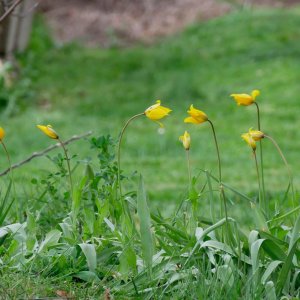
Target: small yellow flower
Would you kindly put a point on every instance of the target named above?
(249, 140)
(196, 116)
(2, 133)
(156, 111)
(245, 99)
(257, 135)
(49, 131)
(186, 140)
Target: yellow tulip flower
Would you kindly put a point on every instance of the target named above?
(196, 116)
(49, 131)
(2, 133)
(156, 111)
(245, 99)
(249, 140)
(186, 140)
(257, 135)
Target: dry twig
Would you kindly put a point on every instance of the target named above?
(10, 10)
(43, 152)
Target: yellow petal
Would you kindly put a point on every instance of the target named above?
(191, 120)
(186, 140)
(2, 133)
(49, 131)
(196, 113)
(157, 112)
(257, 135)
(243, 99)
(249, 140)
(255, 93)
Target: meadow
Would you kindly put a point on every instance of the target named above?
(100, 242)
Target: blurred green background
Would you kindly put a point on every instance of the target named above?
(77, 89)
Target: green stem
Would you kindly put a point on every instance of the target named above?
(263, 191)
(260, 202)
(10, 167)
(287, 166)
(217, 148)
(189, 167)
(68, 165)
(119, 151)
(7, 155)
(222, 194)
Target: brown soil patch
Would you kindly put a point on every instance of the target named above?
(122, 22)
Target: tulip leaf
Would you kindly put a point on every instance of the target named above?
(77, 195)
(51, 239)
(270, 291)
(145, 225)
(87, 276)
(89, 252)
(270, 269)
(287, 265)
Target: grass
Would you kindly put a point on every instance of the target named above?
(77, 89)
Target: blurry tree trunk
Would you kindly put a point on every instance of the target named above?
(16, 28)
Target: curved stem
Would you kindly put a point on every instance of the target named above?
(286, 164)
(119, 150)
(258, 115)
(7, 155)
(217, 148)
(222, 193)
(10, 167)
(68, 165)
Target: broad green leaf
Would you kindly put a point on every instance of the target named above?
(89, 218)
(270, 291)
(274, 250)
(270, 269)
(127, 261)
(225, 275)
(89, 252)
(12, 228)
(87, 276)
(145, 225)
(254, 254)
(51, 239)
(223, 247)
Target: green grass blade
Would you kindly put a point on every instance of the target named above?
(145, 225)
(288, 263)
(4, 209)
(210, 197)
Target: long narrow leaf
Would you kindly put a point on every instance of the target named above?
(288, 263)
(4, 208)
(270, 269)
(145, 225)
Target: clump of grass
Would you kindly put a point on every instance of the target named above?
(147, 255)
